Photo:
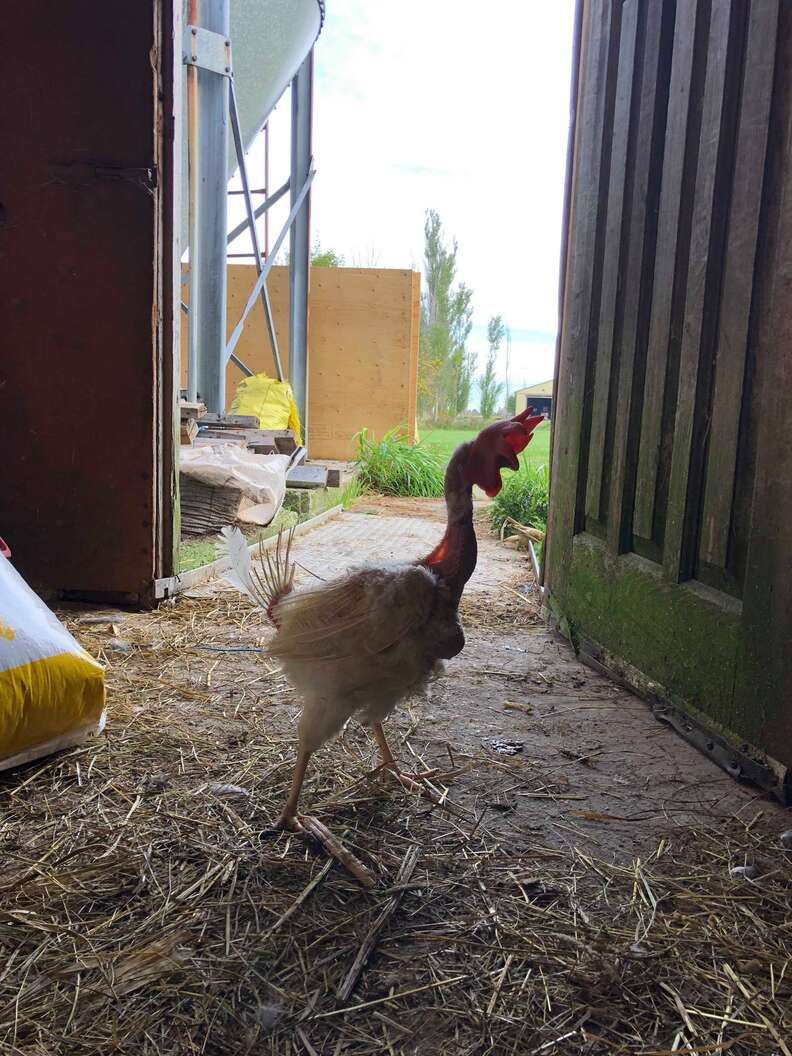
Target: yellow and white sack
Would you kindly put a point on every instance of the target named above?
(52, 692)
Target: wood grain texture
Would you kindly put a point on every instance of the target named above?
(764, 689)
(671, 241)
(363, 349)
(738, 283)
(701, 303)
(612, 271)
(588, 187)
(648, 122)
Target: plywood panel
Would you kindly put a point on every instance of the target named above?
(363, 349)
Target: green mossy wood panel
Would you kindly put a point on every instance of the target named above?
(670, 526)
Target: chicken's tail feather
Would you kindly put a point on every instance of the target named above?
(269, 581)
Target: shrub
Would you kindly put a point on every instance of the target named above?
(523, 496)
(392, 466)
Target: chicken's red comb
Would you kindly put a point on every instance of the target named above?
(518, 439)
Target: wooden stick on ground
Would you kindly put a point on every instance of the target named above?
(370, 941)
(353, 865)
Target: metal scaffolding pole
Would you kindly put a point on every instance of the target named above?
(208, 150)
(299, 244)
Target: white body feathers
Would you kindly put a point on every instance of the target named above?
(355, 646)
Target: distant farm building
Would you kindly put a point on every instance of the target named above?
(540, 397)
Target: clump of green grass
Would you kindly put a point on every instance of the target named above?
(392, 466)
(524, 497)
(352, 492)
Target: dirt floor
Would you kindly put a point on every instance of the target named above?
(593, 885)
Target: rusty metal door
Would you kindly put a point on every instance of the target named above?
(86, 292)
(671, 511)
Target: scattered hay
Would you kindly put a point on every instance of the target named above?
(146, 905)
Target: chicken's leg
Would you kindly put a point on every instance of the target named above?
(408, 780)
(308, 826)
(288, 817)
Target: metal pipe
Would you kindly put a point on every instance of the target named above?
(192, 198)
(266, 188)
(299, 245)
(208, 215)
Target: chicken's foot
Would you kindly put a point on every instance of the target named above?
(390, 763)
(412, 782)
(305, 825)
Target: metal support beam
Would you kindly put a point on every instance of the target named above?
(299, 246)
(208, 150)
(266, 267)
(251, 220)
(258, 211)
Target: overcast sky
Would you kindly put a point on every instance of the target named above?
(455, 106)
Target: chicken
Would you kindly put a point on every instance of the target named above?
(360, 644)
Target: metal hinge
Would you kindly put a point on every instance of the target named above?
(207, 50)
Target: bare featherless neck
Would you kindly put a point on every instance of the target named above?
(454, 558)
(457, 488)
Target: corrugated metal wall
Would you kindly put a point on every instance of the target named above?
(671, 519)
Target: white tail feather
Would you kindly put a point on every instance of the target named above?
(236, 550)
(264, 585)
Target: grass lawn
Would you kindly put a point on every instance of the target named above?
(444, 442)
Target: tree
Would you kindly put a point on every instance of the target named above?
(325, 258)
(508, 358)
(489, 386)
(445, 366)
(462, 362)
(320, 258)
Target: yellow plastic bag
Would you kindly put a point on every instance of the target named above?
(52, 692)
(271, 401)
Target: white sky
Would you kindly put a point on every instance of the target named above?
(455, 106)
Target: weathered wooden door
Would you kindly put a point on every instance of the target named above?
(671, 511)
(89, 337)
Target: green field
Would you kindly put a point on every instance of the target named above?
(444, 442)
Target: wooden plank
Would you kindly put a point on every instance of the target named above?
(223, 434)
(415, 331)
(738, 283)
(230, 421)
(643, 184)
(764, 689)
(307, 477)
(598, 63)
(705, 259)
(668, 235)
(613, 260)
(191, 409)
(189, 430)
(285, 443)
